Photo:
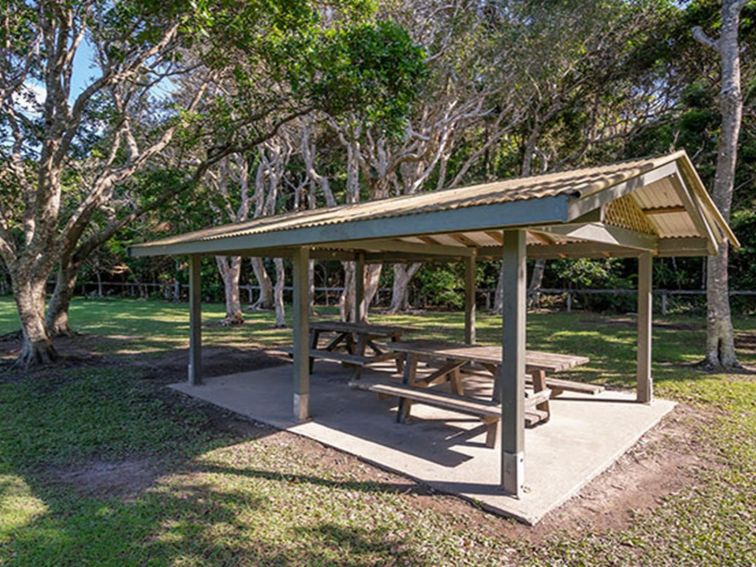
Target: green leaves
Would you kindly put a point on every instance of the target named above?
(374, 69)
(283, 56)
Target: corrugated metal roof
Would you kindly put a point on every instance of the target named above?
(572, 184)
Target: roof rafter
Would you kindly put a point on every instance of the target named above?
(602, 233)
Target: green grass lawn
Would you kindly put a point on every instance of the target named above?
(200, 488)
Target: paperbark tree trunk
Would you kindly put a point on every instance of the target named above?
(56, 320)
(720, 337)
(100, 294)
(536, 280)
(176, 297)
(347, 310)
(403, 274)
(265, 299)
(498, 305)
(37, 346)
(372, 281)
(311, 285)
(230, 270)
(279, 293)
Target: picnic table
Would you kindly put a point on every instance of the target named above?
(354, 344)
(454, 360)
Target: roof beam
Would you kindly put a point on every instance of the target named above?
(688, 246)
(464, 240)
(602, 233)
(546, 210)
(391, 245)
(542, 237)
(315, 254)
(429, 240)
(496, 235)
(404, 258)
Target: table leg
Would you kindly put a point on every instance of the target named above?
(539, 384)
(410, 372)
(455, 379)
(314, 337)
(495, 370)
(395, 337)
(350, 343)
(361, 347)
(492, 430)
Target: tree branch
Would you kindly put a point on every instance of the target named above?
(700, 36)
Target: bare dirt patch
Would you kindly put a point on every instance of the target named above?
(83, 350)
(170, 366)
(101, 479)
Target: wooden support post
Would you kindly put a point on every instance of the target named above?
(359, 288)
(512, 371)
(301, 331)
(195, 321)
(470, 300)
(644, 386)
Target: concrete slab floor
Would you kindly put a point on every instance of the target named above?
(442, 449)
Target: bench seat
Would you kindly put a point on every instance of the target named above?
(337, 356)
(488, 411)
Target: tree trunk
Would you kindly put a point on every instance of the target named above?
(720, 337)
(279, 293)
(57, 310)
(37, 346)
(311, 285)
(372, 281)
(265, 299)
(230, 270)
(347, 308)
(536, 280)
(403, 274)
(498, 306)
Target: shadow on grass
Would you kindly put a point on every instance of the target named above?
(193, 510)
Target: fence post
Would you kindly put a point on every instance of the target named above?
(664, 303)
(569, 302)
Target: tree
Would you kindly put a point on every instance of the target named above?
(720, 337)
(229, 182)
(455, 97)
(40, 42)
(297, 59)
(589, 85)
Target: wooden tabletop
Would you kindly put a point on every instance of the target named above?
(366, 328)
(534, 360)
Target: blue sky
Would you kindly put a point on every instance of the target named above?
(83, 72)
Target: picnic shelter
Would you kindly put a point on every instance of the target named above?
(645, 208)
